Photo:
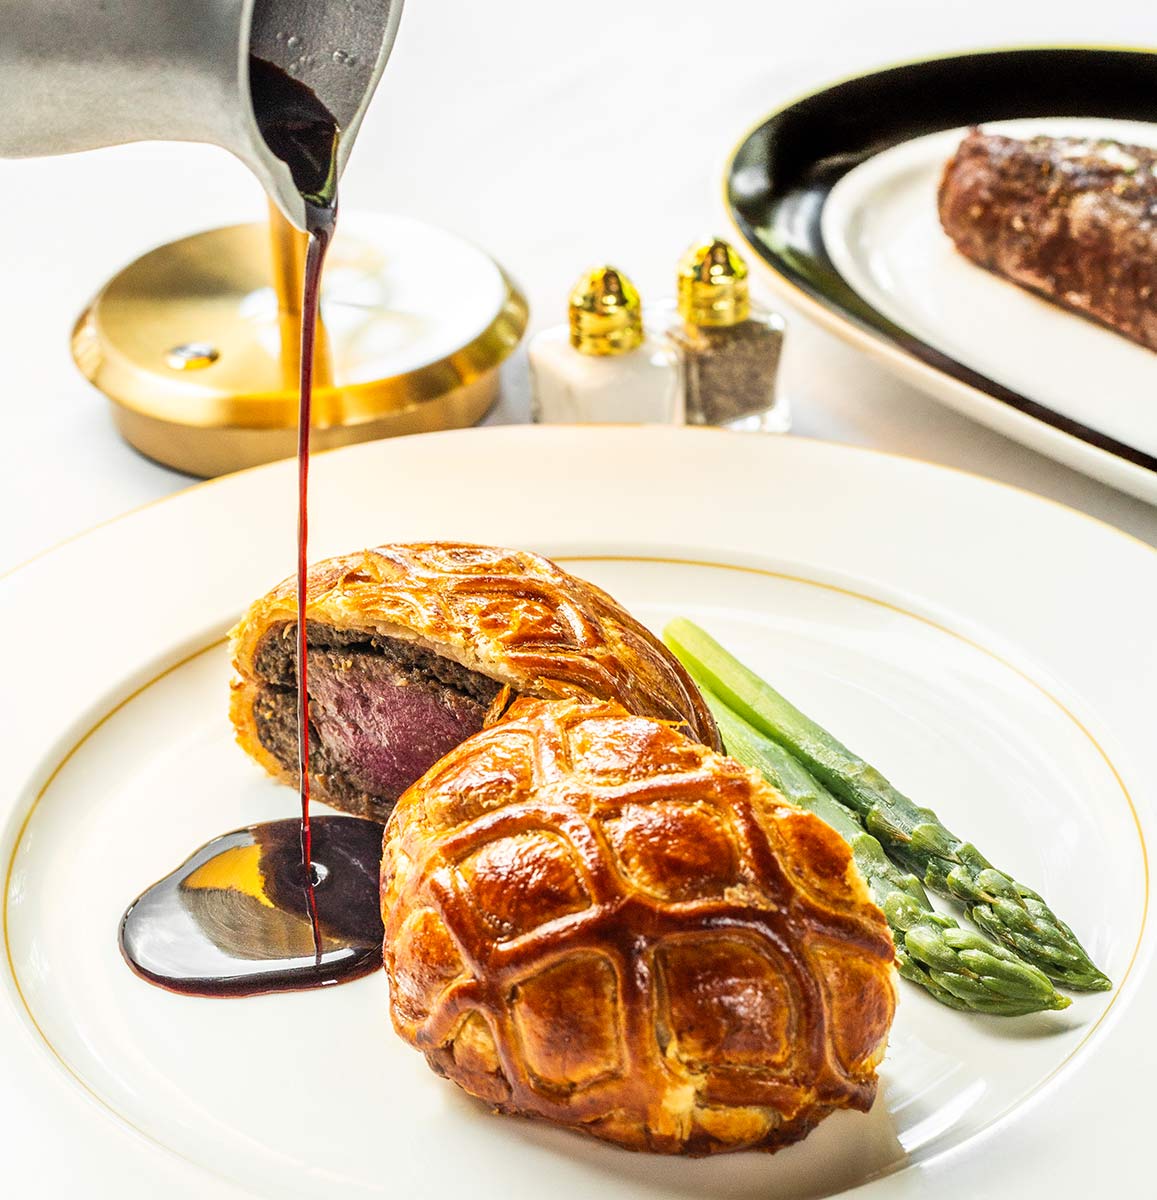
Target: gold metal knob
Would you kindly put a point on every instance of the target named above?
(712, 285)
(606, 314)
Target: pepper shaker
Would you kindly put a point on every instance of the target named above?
(603, 365)
(731, 347)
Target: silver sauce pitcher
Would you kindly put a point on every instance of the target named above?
(79, 75)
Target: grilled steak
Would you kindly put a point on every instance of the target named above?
(1073, 220)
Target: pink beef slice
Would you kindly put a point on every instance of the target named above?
(382, 710)
(381, 725)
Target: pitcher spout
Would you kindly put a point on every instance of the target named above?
(81, 76)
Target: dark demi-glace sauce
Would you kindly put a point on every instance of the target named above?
(235, 919)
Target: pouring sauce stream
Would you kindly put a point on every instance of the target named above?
(285, 904)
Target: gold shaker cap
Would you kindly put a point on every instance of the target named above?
(606, 314)
(712, 285)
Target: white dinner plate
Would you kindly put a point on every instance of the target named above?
(993, 653)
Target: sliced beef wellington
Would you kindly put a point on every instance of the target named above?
(410, 647)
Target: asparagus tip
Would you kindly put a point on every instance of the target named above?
(1097, 982)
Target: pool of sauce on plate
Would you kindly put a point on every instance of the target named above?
(235, 919)
(286, 904)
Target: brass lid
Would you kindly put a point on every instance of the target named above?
(199, 354)
(713, 285)
(606, 314)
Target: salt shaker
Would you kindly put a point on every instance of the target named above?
(731, 347)
(603, 365)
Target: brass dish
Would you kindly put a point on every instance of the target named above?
(187, 343)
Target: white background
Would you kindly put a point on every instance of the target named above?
(556, 135)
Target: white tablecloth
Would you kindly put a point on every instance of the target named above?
(554, 135)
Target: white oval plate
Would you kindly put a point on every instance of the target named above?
(781, 186)
(882, 230)
(990, 651)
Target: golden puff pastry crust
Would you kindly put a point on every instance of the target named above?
(594, 920)
(509, 615)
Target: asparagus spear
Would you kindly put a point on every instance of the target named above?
(912, 836)
(961, 969)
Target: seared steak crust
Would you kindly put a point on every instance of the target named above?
(1074, 220)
